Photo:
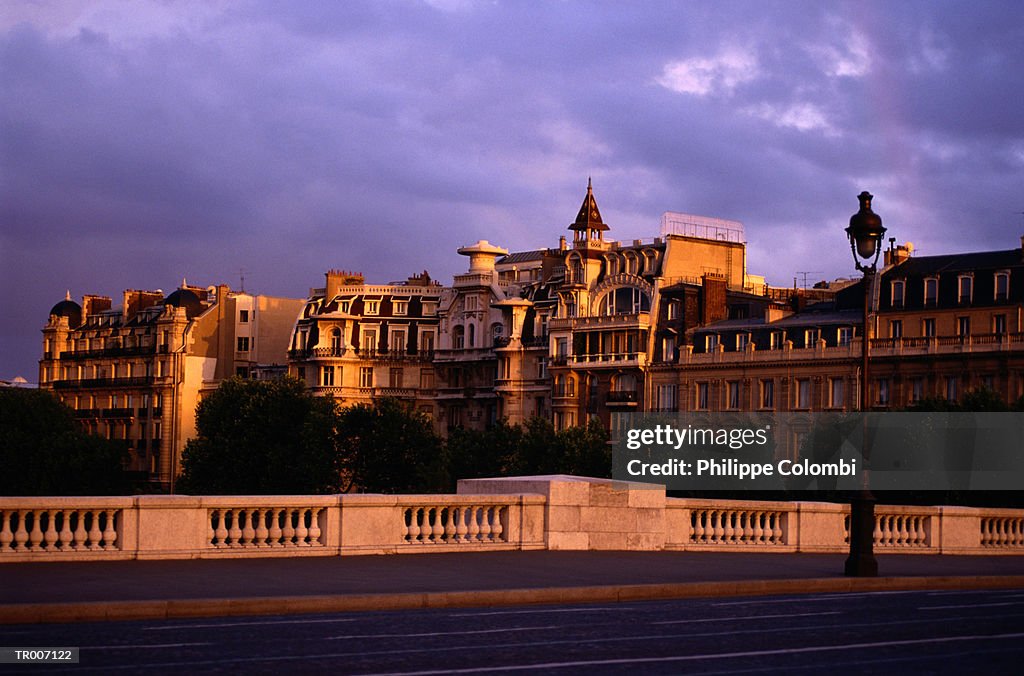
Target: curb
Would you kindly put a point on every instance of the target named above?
(109, 611)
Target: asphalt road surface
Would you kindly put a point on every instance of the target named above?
(944, 632)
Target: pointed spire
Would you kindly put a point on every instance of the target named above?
(589, 217)
(184, 284)
(67, 295)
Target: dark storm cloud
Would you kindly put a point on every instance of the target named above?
(144, 142)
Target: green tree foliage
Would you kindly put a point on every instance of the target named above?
(389, 448)
(263, 437)
(531, 448)
(44, 452)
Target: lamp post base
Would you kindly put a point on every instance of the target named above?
(861, 562)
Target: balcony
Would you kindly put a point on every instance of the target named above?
(638, 320)
(395, 392)
(623, 398)
(133, 351)
(613, 359)
(86, 383)
(117, 413)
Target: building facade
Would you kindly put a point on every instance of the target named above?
(137, 372)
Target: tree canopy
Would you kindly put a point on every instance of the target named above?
(263, 437)
(43, 451)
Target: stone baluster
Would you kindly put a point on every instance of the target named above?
(314, 526)
(697, 521)
(730, 516)
(301, 531)
(220, 532)
(461, 527)
(275, 527)
(748, 528)
(717, 516)
(474, 524)
(438, 525)
(449, 524)
(289, 527)
(110, 531)
(777, 528)
(65, 537)
(759, 523)
(248, 532)
(414, 527)
(877, 533)
(21, 535)
(234, 530)
(35, 536)
(498, 528)
(6, 536)
(50, 536)
(80, 533)
(485, 524)
(95, 534)
(260, 516)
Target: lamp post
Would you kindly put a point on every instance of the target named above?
(865, 233)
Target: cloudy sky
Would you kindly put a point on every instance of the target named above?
(142, 142)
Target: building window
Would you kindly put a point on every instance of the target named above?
(542, 367)
(242, 371)
(327, 376)
(733, 391)
(667, 397)
(365, 376)
(401, 307)
(711, 342)
(845, 335)
(372, 307)
(928, 327)
(426, 345)
(427, 379)
(369, 341)
(300, 373)
(803, 393)
(1002, 285)
(336, 340)
(672, 312)
(896, 328)
(429, 309)
(883, 392)
(741, 341)
(999, 324)
(668, 348)
(243, 344)
(562, 347)
(701, 403)
(837, 392)
(344, 306)
(472, 335)
(397, 341)
(471, 302)
(963, 326)
(243, 316)
(776, 339)
(811, 337)
(767, 393)
(988, 382)
(395, 377)
(898, 289)
(917, 390)
(931, 291)
(965, 286)
(951, 388)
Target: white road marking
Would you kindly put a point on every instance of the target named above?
(747, 618)
(972, 605)
(244, 624)
(458, 632)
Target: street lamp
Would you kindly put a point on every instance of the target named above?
(865, 233)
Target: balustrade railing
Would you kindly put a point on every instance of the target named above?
(737, 526)
(455, 524)
(268, 527)
(58, 530)
(1002, 531)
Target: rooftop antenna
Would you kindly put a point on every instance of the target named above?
(805, 273)
(241, 279)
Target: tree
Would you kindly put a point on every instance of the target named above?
(390, 448)
(263, 437)
(43, 451)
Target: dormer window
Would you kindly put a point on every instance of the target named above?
(931, 291)
(344, 306)
(776, 339)
(898, 289)
(711, 342)
(845, 335)
(965, 289)
(741, 341)
(1002, 285)
(811, 337)
(372, 307)
(401, 307)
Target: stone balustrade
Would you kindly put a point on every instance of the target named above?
(540, 512)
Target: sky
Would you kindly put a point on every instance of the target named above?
(145, 142)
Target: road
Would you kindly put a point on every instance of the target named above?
(882, 632)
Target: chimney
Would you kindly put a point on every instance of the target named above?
(562, 246)
(136, 301)
(713, 308)
(334, 281)
(93, 305)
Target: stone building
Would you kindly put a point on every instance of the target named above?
(137, 372)
(940, 326)
(357, 342)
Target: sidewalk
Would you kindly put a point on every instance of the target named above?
(50, 592)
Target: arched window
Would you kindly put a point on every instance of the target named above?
(575, 269)
(623, 301)
(335, 340)
(624, 382)
(458, 337)
(631, 263)
(472, 335)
